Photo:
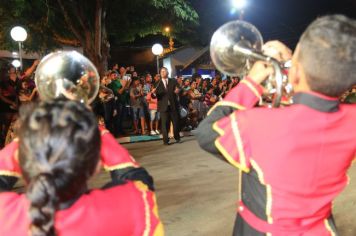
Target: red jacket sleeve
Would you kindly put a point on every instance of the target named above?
(230, 142)
(9, 165)
(113, 155)
(244, 96)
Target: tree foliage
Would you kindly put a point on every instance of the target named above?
(92, 24)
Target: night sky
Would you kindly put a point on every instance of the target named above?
(284, 20)
(276, 19)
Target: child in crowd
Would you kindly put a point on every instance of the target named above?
(154, 114)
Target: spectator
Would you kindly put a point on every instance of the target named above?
(168, 105)
(210, 98)
(195, 98)
(154, 114)
(25, 93)
(107, 99)
(9, 88)
(136, 102)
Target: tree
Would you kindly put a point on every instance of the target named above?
(92, 24)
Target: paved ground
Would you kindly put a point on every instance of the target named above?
(197, 192)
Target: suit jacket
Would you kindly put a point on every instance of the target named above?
(164, 95)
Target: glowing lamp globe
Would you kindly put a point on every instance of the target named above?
(16, 63)
(18, 34)
(157, 49)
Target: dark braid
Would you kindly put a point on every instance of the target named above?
(59, 150)
(43, 197)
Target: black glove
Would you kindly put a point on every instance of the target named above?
(7, 182)
(131, 173)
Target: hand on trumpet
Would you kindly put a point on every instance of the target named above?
(260, 71)
(277, 50)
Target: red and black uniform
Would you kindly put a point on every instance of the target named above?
(123, 207)
(293, 160)
(115, 158)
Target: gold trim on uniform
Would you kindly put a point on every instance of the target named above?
(268, 191)
(119, 166)
(225, 153)
(159, 231)
(228, 104)
(9, 173)
(328, 227)
(238, 139)
(251, 87)
(143, 189)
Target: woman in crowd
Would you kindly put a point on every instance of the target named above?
(195, 106)
(136, 102)
(59, 150)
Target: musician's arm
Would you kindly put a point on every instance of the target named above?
(205, 133)
(9, 167)
(215, 130)
(121, 165)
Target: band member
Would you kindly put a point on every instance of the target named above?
(59, 150)
(166, 92)
(292, 160)
(115, 158)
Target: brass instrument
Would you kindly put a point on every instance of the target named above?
(234, 48)
(67, 74)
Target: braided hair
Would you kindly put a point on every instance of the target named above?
(58, 151)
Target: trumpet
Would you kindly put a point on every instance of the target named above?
(235, 46)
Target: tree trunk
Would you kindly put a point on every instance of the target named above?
(102, 45)
(95, 45)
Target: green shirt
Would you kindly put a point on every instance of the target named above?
(115, 86)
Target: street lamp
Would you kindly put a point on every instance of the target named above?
(19, 34)
(171, 42)
(157, 50)
(239, 5)
(16, 63)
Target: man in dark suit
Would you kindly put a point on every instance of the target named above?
(166, 91)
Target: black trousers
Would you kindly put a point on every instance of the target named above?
(166, 118)
(109, 108)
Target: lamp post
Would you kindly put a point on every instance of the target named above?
(239, 5)
(157, 50)
(19, 35)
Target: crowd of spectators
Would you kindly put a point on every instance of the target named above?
(125, 103)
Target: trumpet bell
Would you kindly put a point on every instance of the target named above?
(67, 74)
(234, 48)
(226, 45)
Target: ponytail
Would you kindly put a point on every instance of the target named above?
(43, 197)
